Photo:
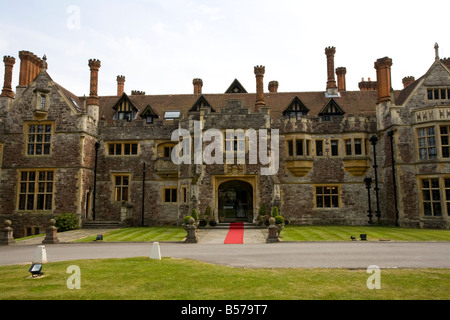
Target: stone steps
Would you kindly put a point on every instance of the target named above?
(225, 225)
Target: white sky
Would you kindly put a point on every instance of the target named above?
(162, 45)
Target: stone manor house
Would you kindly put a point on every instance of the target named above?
(345, 157)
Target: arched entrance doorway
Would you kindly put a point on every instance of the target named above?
(235, 201)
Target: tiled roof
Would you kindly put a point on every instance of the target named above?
(352, 102)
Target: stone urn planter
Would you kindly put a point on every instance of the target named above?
(280, 227)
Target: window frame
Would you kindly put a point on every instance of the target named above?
(319, 192)
(334, 149)
(45, 146)
(426, 147)
(430, 201)
(121, 187)
(34, 188)
(123, 146)
(443, 145)
(316, 141)
(173, 192)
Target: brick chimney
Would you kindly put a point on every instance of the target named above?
(198, 84)
(30, 66)
(7, 84)
(367, 85)
(408, 81)
(259, 73)
(120, 85)
(94, 66)
(383, 67)
(446, 62)
(331, 83)
(341, 72)
(273, 86)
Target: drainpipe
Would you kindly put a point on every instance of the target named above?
(374, 141)
(97, 146)
(143, 194)
(391, 137)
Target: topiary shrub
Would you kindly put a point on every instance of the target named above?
(208, 211)
(194, 214)
(186, 219)
(66, 222)
(275, 212)
(279, 220)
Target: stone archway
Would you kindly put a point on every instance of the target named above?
(235, 199)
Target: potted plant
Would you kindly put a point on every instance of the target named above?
(186, 220)
(212, 221)
(275, 212)
(279, 221)
(222, 216)
(194, 214)
(208, 215)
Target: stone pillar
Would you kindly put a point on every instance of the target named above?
(383, 67)
(259, 73)
(120, 85)
(330, 52)
(7, 84)
(51, 236)
(198, 84)
(273, 232)
(6, 235)
(191, 232)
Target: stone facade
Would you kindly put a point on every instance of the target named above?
(110, 157)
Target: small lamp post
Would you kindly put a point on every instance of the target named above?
(368, 182)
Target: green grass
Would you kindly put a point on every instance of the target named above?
(168, 233)
(374, 233)
(179, 279)
(290, 233)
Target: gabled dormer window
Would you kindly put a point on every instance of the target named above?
(149, 115)
(332, 108)
(236, 87)
(296, 109)
(125, 109)
(201, 103)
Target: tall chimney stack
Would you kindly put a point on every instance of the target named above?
(383, 67)
(7, 84)
(408, 81)
(341, 72)
(120, 85)
(94, 66)
(331, 83)
(198, 84)
(30, 66)
(273, 86)
(259, 73)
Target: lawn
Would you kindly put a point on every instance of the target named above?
(374, 233)
(180, 279)
(290, 233)
(168, 233)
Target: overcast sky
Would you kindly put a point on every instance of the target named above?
(160, 46)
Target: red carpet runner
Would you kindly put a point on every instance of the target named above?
(236, 234)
